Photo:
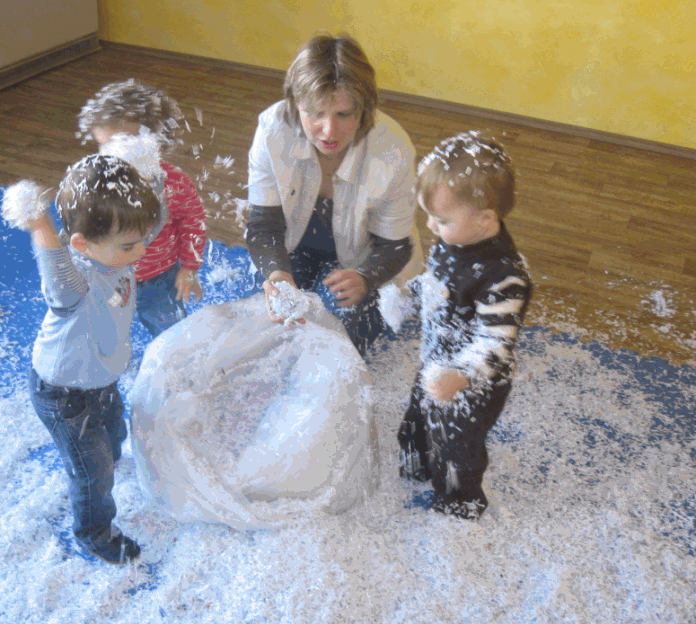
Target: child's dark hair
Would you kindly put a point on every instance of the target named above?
(475, 168)
(133, 101)
(100, 192)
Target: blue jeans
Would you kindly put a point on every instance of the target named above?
(363, 321)
(88, 428)
(156, 304)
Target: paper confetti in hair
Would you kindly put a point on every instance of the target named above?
(133, 102)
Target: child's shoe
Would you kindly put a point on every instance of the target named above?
(119, 549)
(464, 509)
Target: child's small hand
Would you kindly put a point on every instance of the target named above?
(348, 286)
(443, 383)
(187, 284)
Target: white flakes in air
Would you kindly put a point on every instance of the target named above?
(223, 271)
(241, 209)
(225, 162)
(23, 202)
(141, 150)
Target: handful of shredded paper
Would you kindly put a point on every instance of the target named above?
(23, 202)
(290, 304)
(395, 305)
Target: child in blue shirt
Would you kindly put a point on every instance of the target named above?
(83, 346)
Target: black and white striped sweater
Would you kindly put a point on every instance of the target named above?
(473, 300)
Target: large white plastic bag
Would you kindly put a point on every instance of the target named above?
(239, 420)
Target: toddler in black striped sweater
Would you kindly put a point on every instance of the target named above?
(472, 298)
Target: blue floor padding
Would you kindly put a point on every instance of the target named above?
(227, 275)
(22, 306)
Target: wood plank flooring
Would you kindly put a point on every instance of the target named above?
(609, 231)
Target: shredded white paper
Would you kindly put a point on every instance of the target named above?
(141, 150)
(290, 303)
(395, 306)
(24, 202)
(591, 516)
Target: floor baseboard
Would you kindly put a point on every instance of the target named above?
(543, 124)
(26, 68)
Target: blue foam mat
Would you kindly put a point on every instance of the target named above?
(227, 276)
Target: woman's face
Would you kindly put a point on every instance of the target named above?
(331, 124)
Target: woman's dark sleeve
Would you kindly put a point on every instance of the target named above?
(386, 259)
(265, 239)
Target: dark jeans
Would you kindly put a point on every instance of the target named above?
(446, 443)
(156, 302)
(88, 428)
(363, 322)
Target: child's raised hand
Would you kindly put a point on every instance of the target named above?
(444, 383)
(187, 284)
(25, 206)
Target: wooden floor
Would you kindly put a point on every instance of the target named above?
(609, 232)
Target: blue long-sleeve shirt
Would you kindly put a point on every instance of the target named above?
(84, 340)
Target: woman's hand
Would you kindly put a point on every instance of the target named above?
(187, 284)
(272, 291)
(347, 285)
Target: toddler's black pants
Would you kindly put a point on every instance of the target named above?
(445, 442)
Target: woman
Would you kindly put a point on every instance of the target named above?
(330, 188)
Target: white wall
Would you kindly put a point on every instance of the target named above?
(30, 27)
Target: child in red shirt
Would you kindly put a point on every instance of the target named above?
(167, 274)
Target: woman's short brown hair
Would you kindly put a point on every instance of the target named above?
(99, 193)
(475, 168)
(324, 65)
(134, 102)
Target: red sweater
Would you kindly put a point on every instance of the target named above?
(183, 237)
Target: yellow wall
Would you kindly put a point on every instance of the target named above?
(624, 66)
